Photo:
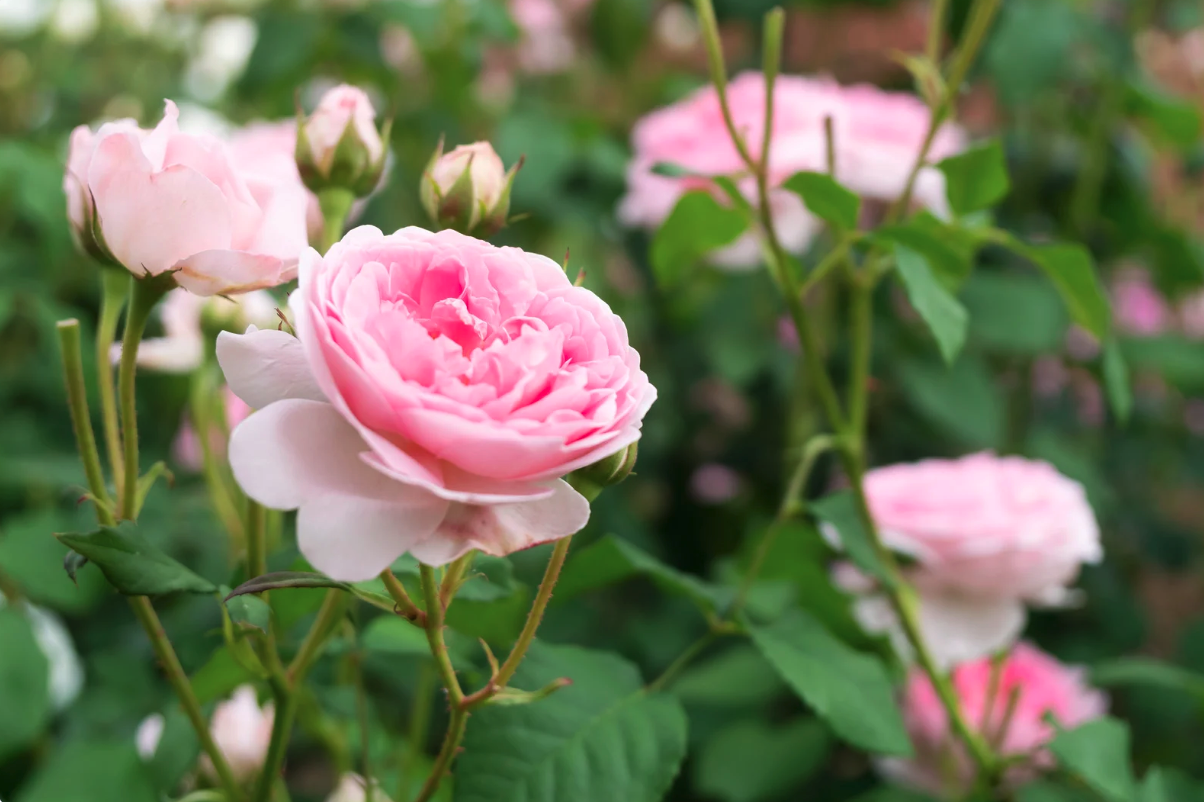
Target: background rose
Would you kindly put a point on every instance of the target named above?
(341, 109)
(1042, 687)
(169, 201)
(436, 391)
(242, 730)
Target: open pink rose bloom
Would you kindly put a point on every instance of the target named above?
(436, 392)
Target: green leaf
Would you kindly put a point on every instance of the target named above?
(279, 580)
(91, 771)
(394, 635)
(24, 677)
(1098, 754)
(1173, 120)
(944, 314)
(132, 564)
(961, 399)
(698, 224)
(740, 677)
(849, 689)
(1072, 270)
(826, 198)
(249, 611)
(1014, 313)
(976, 178)
(1178, 360)
(1049, 791)
(754, 760)
(1116, 380)
(219, 676)
(1162, 784)
(1148, 671)
(177, 751)
(34, 560)
(598, 740)
(611, 560)
(840, 511)
(948, 249)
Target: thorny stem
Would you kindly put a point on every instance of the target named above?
(113, 282)
(434, 637)
(405, 605)
(535, 616)
(77, 400)
(451, 744)
(452, 578)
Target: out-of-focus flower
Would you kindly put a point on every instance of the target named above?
(267, 151)
(713, 483)
(877, 137)
(546, 44)
(339, 146)
(242, 731)
(223, 49)
(185, 318)
(186, 448)
(468, 188)
(399, 49)
(1138, 306)
(1191, 315)
(855, 42)
(500, 378)
(75, 21)
(162, 201)
(66, 678)
(148, 735)
(677, 27)
(1081, 344)
(987, 535)
(353, 788)
(1030, 684)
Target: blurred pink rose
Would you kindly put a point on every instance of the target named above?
(339, 109)
(148, 735)
(170, 201)
(242, 731)
(988, 534)
(1042, 687)
(712, 483)
(877, 137)
(547, 44)
(186, 448)
(1138, 306)
(269, 150)
(353, 788)
(437, 390)
(1191, 315)
(181, 349)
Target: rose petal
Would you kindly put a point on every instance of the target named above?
(227, 272)
(351, 538)
(264, 366)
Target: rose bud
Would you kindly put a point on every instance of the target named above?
(339, 146)
(242, 731)
(468, 188)
(593, 479)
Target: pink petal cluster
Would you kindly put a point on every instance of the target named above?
(165, 201)
(988, 535)
(1041, 686)
(342, 108)
(877, 137)
(242, 731)
(436, 391)
(1138, 306)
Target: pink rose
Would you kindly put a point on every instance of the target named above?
(436, 391)
(877, 138)
(342, 108)
(1139, 307)
(547, 44)
(169, 201)
(1042, 687)
(242, 731)
(486, 172)
(268, 149)
(988, 534)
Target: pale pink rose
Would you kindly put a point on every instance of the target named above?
(181, 349)
(1042, 688)
(353, 788)
(269, 149)
(148, 735)
(167, 201)
(486, 172)
(1138, 306)
(988, 535)
(547, 44)
(437, 390)
(342, 107)
(81, 209)
(877, 137)
(242, 731)
(186, 448)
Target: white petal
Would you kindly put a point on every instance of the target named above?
(958, 628)
(166, 354)
(295, 450)
(502, 529)
(266, 365)
(352, 538)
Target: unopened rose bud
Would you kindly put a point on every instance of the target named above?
(242, 731)
(81, 206)
(353, 788)
(593, 479)
(468, 188)
(339, 146)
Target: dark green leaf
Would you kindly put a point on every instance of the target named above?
(849, 689)
(612, 560)
(1014, 313)
(1098, 754)
(1175, 358)
(249, 611)
(1148, 671)
(132, 564)
(279, 580)
(1049, 791)
(598, 740)
(976, 178)
(944, 314)
(219, 676)
(740, 677)
(106, 770)
(752, 760)
(1162, 784)
(1072, 271)
(826, 198)
(34, 559)
(177, 751)
(1116, 380)
(698, 224)
(948, 249)
(961, 399)
(1173, 120)
(24, 673)
(840, 511)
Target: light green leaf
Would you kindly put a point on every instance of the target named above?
(976, 178)
(1148, 671)
(826, 198)
(944, 314)
(1171, 119)
(598, 740)
(697, 225)
(394, 635)
(752, 760)
(24, 673)
(1098, 754)
(249, 611)
(132, 564)
(949, 250)
(849, 689)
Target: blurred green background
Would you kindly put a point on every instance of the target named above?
(1098, 105)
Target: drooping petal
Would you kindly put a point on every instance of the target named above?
(264, 366)
(228, 272)
(351, 538)
(502, 529)
(958, 628)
